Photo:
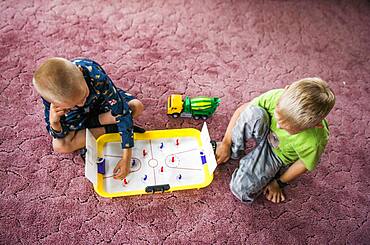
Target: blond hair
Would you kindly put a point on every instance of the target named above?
(306, 102)
(55, 79)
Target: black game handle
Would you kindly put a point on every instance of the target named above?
(157, 188)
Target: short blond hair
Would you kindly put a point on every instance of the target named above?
(306, 102)
(55, 79)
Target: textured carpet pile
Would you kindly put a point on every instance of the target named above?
(234, 50)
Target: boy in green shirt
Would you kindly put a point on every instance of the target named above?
(289, 128)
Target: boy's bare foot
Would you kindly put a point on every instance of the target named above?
(274, 193)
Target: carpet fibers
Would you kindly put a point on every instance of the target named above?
(234, 50)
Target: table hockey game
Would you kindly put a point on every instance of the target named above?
(162, 161)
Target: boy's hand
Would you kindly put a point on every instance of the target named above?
(273, 192)
(223, 152)
(122, 169)
(55, 113)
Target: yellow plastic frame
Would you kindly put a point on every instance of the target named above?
(157, 134)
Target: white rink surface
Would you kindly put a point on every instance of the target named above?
(176, 165)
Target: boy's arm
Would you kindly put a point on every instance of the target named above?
(121, 111)
(223, 149)
(295, 170)
(273, 192)
(52, 115)
(122, 168)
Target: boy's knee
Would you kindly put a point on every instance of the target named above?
(61, 147)
(259, 113)
(136, 106)
(253, 122)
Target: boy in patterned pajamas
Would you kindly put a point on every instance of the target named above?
(289, 128)
(78, 94)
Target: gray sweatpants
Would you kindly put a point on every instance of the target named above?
(259, 167)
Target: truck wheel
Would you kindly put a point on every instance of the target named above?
(196, 117)
(204, 117)
(175, 115)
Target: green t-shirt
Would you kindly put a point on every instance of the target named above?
(307, 145)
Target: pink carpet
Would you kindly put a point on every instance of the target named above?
(231, 49)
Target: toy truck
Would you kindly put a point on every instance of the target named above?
(198, 107)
